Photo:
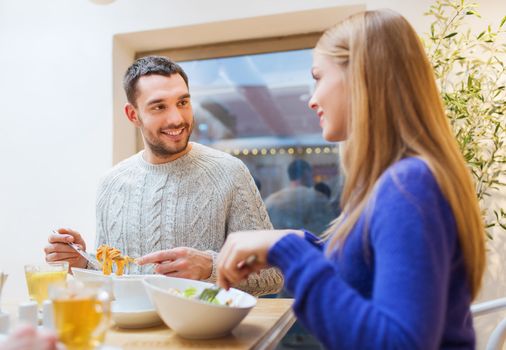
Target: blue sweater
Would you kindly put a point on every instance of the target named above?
(402, 285)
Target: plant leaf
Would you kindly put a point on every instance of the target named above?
(470, 72)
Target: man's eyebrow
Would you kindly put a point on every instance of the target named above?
(161, 100)
(158, 100)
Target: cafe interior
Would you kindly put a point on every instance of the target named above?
(63, 127)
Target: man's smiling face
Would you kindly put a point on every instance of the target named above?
(164, 114)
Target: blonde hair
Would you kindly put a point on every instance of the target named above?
(396, 111)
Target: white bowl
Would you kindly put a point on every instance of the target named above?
(195, 319)
(89, 275)
(93, 278)
(127, 289)
(128, 315)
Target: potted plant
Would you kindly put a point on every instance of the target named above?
(470, 69)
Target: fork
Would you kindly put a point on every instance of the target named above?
(208, 294)
(90, 259)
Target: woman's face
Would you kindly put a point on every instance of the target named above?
(331, 97)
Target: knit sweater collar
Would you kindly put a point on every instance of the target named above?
(179, 163)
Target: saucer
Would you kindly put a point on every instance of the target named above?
(126, 316)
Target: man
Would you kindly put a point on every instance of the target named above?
(299, 205)
(174, 203)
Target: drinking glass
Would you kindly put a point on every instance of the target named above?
(39, 277)
(81, 314)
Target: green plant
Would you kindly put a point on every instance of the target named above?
(470, 71)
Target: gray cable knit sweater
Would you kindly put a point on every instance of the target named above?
(194, 201)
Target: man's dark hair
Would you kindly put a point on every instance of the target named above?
(298, 168)
(146, 66)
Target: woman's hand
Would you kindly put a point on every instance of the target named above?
(26, 337)
(240, 246)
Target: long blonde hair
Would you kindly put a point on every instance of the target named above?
(396, 111)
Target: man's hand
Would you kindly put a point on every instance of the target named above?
(59, 250)
(180, 262)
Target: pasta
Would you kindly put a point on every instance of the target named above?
(108, 256)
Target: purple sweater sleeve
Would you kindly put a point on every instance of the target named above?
(411, 237)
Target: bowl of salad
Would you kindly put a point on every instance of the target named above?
(176, 301)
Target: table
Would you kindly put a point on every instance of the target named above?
(263, 328)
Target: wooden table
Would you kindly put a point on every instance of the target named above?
(263, 328)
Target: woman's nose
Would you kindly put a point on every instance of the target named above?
(312, 103)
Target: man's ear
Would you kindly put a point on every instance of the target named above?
(131, 114)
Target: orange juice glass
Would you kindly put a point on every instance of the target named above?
(40, 277)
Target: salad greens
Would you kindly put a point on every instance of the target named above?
(192, 293)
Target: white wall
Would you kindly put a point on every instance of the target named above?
(56, 103)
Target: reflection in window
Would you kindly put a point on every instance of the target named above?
(255, 108)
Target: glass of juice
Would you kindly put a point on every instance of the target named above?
(40, 276)
(81, 314)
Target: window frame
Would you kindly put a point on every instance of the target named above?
(231, 49)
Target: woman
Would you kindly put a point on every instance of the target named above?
(401, 265)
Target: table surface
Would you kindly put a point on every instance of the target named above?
(262, 328)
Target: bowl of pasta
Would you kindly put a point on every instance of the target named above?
(111, 261)
(88, 275)
(177, 303)
(127, 291)
(125, 287)
(131, 306)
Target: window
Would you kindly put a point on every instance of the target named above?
(254, 106)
